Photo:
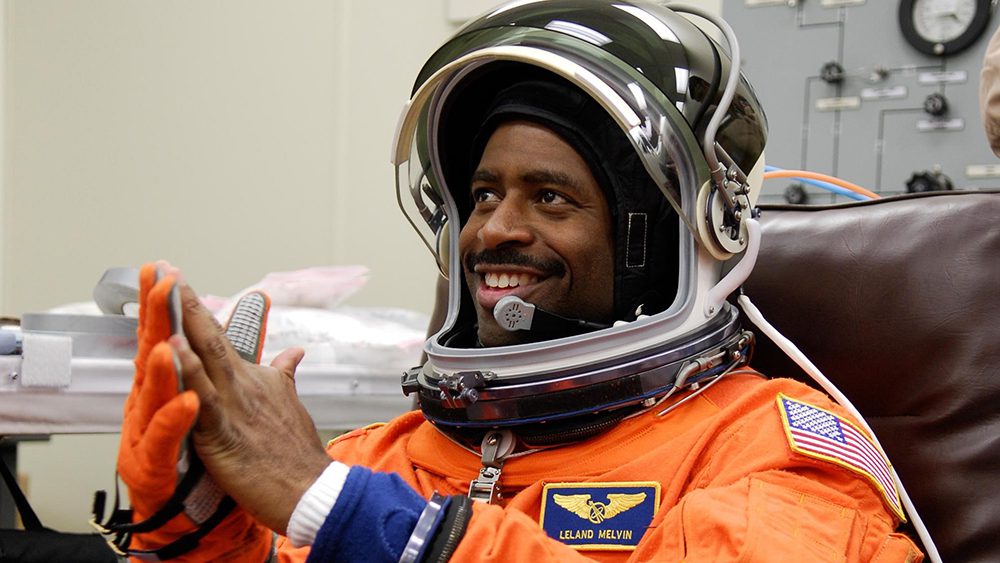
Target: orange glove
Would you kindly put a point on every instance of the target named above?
(177, 510)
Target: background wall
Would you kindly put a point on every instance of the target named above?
(230, 137)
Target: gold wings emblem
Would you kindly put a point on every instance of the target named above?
(597, 512)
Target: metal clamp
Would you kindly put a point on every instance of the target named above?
(409, 380)
(496, 446)
(731, 183)
(461, 389)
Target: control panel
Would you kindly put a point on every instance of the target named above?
(881, 93)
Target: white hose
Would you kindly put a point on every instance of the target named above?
(729, 92)
(803, 362)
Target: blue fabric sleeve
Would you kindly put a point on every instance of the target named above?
(371, 520)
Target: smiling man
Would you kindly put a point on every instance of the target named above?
(540, 229)
(581, 171)
(559, 213)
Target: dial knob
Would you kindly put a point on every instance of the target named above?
(936, 105)
(928, 181)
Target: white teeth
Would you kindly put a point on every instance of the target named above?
(504, 280)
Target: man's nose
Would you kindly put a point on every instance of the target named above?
(506, 225)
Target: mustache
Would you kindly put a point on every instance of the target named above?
(512, 257)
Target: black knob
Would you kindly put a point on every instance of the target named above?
(928, 181)
(832, 73)
(795, 194)
(936, 105)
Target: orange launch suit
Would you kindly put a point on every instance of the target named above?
(732, 488)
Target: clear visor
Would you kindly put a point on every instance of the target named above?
(656, 129)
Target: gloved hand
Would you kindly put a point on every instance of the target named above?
(174, 503)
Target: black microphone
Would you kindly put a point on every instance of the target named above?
(513, 314)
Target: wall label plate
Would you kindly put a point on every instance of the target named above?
(982, 171)
(886, 93)
(943, 77)
(954, 124)
(845, 102)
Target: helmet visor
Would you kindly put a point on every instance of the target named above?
(656, 130)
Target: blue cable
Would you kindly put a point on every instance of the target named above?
(824, 185)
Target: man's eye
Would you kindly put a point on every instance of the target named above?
(483, 195)
(549, 196)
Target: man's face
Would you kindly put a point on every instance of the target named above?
(540, 229)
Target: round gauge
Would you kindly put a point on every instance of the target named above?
(943, 27)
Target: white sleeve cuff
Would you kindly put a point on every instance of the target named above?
(316, 504)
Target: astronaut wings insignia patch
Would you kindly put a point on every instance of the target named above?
(820, 434)
(598, 512)
(608, 516)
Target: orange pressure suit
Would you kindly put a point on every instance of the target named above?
(732, 486)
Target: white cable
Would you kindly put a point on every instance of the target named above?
(739, 274)
(786, 345)
(708, 142)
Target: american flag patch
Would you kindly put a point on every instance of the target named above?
(820, 434)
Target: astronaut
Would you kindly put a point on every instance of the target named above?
(582, 172)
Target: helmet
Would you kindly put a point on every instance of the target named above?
(675, 132)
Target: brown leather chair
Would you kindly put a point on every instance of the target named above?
(898, 302)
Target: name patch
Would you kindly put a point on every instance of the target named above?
(606, 516)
